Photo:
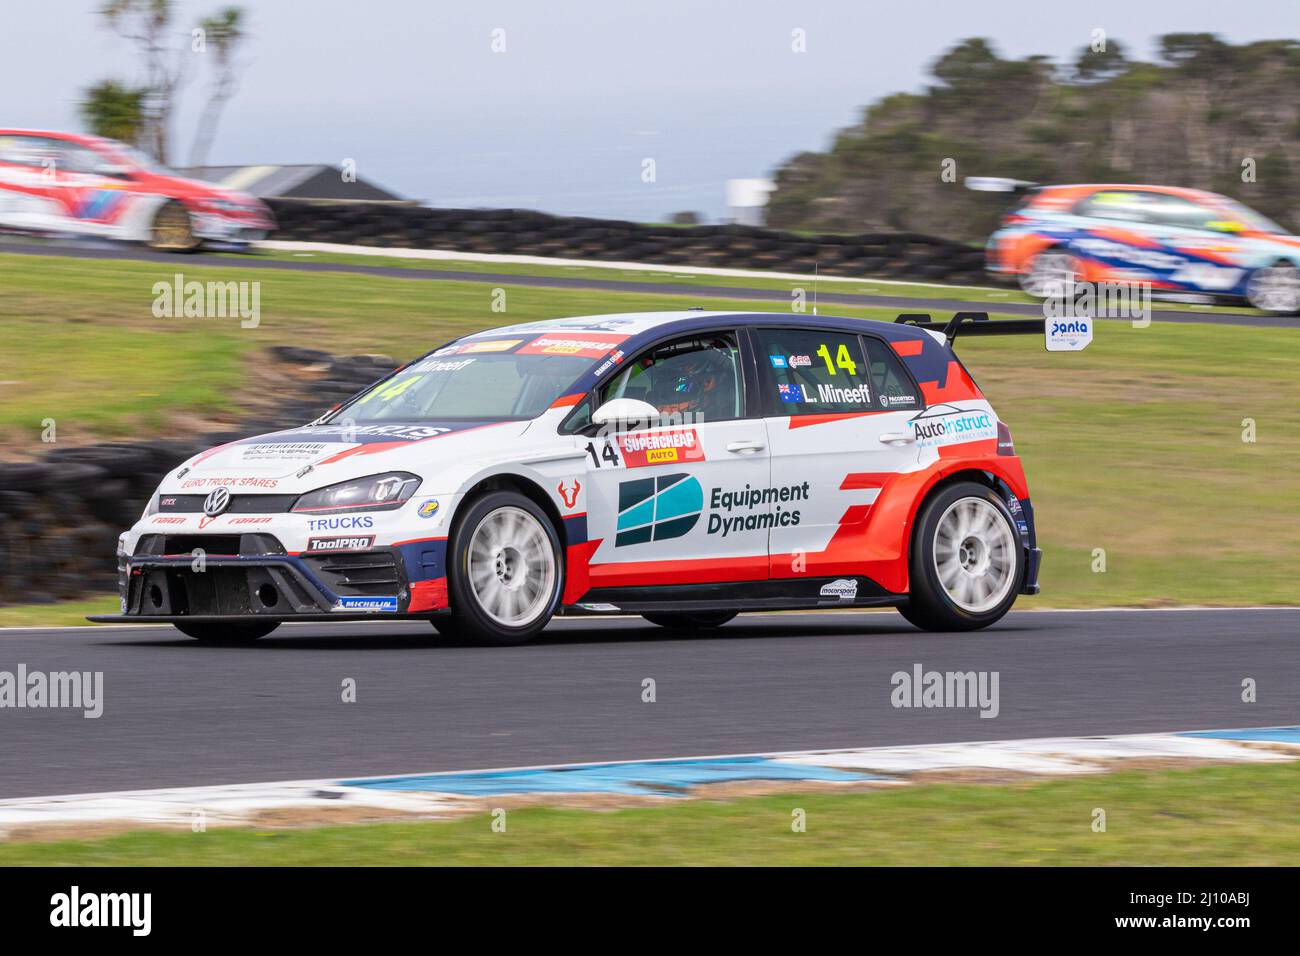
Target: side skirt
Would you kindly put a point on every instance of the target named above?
(794, 594)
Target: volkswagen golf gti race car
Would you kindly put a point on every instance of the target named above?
(1184, 242)
(66, 183)
(683, 466)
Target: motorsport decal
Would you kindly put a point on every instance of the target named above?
(341, 523)
(437, 365)
(953, 428)
(428, 508)
(660, 448)
(302, 451)
(829, 394)
(245, 482)
(569, 495)
(723, 502)
(338, 543)
(584, 345)
(652, 509)
(1067, 334)
(795, 393)
(842, 589)
(366, 604)
(614, 359)
(355, 434)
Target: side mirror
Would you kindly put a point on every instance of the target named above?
(620, 413)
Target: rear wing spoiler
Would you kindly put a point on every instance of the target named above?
(973, 323)
(998, 184)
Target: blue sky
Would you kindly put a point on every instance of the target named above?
(585, 91)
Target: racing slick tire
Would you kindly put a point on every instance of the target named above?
(690, 620)
(505, 570)
(1048, 273)
(967, 560)
(227, 634)
(172, 229)
(1275, 289)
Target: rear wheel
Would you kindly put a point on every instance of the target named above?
(697, 620)
(967, 560)
(506, 570)
(1275, 289)
(228, 634)
(173, 229)
(1050, 273)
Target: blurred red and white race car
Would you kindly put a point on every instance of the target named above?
(69, 183)
(1186, 243)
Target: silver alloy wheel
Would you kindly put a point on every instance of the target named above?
(1275, 289)
(974, 554)
(511, 567)
(1049, 274)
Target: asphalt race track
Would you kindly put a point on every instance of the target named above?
(825, 297)
(180, 714)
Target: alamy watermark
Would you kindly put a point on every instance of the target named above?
(191, 299)
(949, 689)
(1069, 299)
(78, 690)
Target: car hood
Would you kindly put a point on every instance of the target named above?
(182, 187)
(301, 459)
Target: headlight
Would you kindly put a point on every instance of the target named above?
(376, 493)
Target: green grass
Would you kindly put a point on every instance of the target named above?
(1215, 816)
(1133, 446)
(60, 614)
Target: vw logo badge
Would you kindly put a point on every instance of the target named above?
(217, 502)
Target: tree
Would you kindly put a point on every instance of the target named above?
(222, 34)
(148, 24)
(115, 111)
(1093, 66)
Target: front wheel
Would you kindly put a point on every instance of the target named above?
(699, 620)
(1275, 289)
(227, 634)
(506, 570)
(1050, 274)
(967, 560)
(173, 229)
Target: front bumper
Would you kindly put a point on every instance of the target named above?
(231, 229)
(265, 586)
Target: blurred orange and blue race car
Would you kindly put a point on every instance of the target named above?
(1186, 243)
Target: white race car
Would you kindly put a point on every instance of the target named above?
(684, 466)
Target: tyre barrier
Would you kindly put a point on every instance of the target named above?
(60, 514)
(521, 232)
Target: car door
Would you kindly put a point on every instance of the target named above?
(93, 201)
(681, 502)
(839, 407)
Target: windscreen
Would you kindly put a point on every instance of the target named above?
(479, 380)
